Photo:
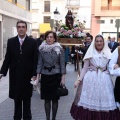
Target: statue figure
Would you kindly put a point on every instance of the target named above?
(69, 19)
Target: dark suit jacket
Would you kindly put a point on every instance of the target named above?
(114, 46)
(21, 66)
(84, 50)
(39, 42)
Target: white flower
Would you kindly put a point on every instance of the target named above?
(82, 34)
(79, 34)
(71, 36)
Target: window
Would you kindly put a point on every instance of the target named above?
(27, 4)
(47, 19)
(111, 21)
(100, 21)
(14, 1)
(46, 6)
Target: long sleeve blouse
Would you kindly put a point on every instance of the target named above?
(112, 62)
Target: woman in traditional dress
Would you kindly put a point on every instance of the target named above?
(51, 67)
(114, 68)
(95, 98)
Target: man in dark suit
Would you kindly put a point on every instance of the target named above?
(21, 60)
(84, 48)
(113, 45)
(40, 40)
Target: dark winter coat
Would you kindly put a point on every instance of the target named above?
(116, 44)
(22, 66)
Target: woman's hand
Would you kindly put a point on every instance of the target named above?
(76, 83)
(38, 76)
(116, 66)
(62, 81)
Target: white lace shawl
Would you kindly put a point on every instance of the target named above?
(105, 51)
(47, 48)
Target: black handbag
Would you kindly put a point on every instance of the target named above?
(62, 91)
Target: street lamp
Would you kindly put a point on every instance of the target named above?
(56, 18)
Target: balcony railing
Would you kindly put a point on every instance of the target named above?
(73, 4)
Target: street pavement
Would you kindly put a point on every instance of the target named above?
(38, 113)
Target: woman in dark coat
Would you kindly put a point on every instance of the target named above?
(51, 67)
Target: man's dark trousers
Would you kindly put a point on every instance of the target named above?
(26, 103)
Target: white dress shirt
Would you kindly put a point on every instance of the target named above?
(21, 40)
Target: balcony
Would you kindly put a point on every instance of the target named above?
(73, 4)
(105, 9)
(110, 7)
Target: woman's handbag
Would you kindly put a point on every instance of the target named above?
(62, 91)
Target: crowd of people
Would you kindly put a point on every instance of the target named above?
(45, 59)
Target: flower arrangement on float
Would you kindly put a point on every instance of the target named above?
(76, 32)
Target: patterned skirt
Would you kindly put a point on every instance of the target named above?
(81, 112)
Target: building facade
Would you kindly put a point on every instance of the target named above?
(103, 16)
(43, 12)
(10, 12)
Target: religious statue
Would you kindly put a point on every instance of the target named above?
(69, 19)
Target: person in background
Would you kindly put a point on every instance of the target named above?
(72, 54)
(66, 55)
(30, 36)
(74, 57)
(39, 42)
(51, 68)
(95, 97)
(113, 45)
(109, 39)
(21, 60)
(40, 39)
(84, 40)
(87, 43)
(77, 57)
